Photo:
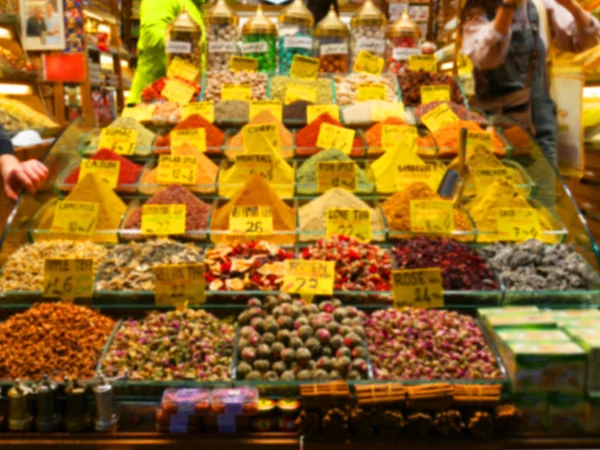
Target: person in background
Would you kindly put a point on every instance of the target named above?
(508, 42)
(52, 24)
(29, 175)
(36, 25)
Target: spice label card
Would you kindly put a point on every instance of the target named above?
(439, 117)
(177, 169)
(193, 136)
(264, 136)
(431, 216)
(485, 177)
(77, 218)
(308, 277)
(178, 91)
(275, 107)
(367, 62)
(304, 67)
(236, 92)
(414, 173)
(179, 284)
(372, 91)
(163, 220)
(314, 111)
(440, 93)
(382, 112)
(402, 137)
(205, 109)
(141, 112)
(182, 69)
(68, 278)
(479, 141)
(517, 224)
(251, 220)
(107, 171)
(356, 223)
(427, 63)
(119, 140)
(243, 64)
(336, 174)
(296, 92)
(418, 288)
(332, 136)
(249, 165)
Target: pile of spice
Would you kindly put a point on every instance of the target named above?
(197, 212)
(427, 344)
(128, 267)
(285, 339)
(519, 139)
(463, 269)
(177, 345)
(24, 270)
(358, 266)
(145, 137)
(295, 112)
(535, 266)
(256, 192)
(57, 339)
(110, 210)
(313, 215)
(322, 86)
(374, 136)
(128, 171)
(447, 136)
(460, 110)
(306, 177)
(286, 139)
(253, 266)
(397, 208)
(18, 116)
(232, 112)
(364, 113)
(256, 81)
(214, 136)
(153, 92)
(166, 113)
(411, 82)
(307, 137)
(346, 86)
(206, 173)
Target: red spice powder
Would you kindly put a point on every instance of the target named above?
(214, 136)
(308, 136)
(374, 135)
(128, 171)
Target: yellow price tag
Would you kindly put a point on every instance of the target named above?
(332, 136)
(141, 112)
(439, 117)
(304, 67)
(418, 288)
(308, 277)
(193, 136)
(436, 93)
(179, 169)
(182, 69)
(204, 109)
(314, 111)
(250, 165)
(431, 216)
(261, 136)
(427, 63)
(372, 91)
(295, 92)
(107, 171)
(243, 64)
(236, 92)
(336, 174)
(251, 220)
(163, 220)
(275, 107)
(479, 141)
(68, 278)
(178, 91)
(485, 177)
(382, 112)
(75, 218)
(179, 284)
(517, 224)
(367, 62)
(119, 140)
(413, 173)
(356, 223)
(398, 136)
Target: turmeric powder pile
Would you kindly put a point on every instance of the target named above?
(447, 136)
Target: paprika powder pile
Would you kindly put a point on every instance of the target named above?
(447, 136)
(214, 136)
(307, 137)
(374, 137)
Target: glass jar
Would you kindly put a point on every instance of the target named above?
(367, 29)
(402, 40)
(332, 36)
(184, 40)
(222, 30)
(295, 34)
(259, 40)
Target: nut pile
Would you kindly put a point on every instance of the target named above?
(255, 266)
(410, 85)
(58, 339)
(221, 38)
(358, 266)
(285, 339)
(177, 345)
(346, 86)
(215, 81)
(421, 344)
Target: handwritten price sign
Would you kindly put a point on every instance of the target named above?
(163, 220)
(68, 278)
(308, 277)
(418, 288)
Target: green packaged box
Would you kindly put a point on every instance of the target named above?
(582, 333)
(574, 314)
(591, 345)
(486, 312)
(535, 320)
(567, 413)
(526, 335)
(578, 322)
(534, 411)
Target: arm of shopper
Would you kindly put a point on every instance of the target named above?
(573, 29)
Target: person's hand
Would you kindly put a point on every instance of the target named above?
(29, 175)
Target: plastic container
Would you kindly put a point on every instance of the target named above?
(242, 401)
(331, 46)
(222, 30)
(259, 40)
(183, 40)
(295, 34)
(367, 29)
(402, 41)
